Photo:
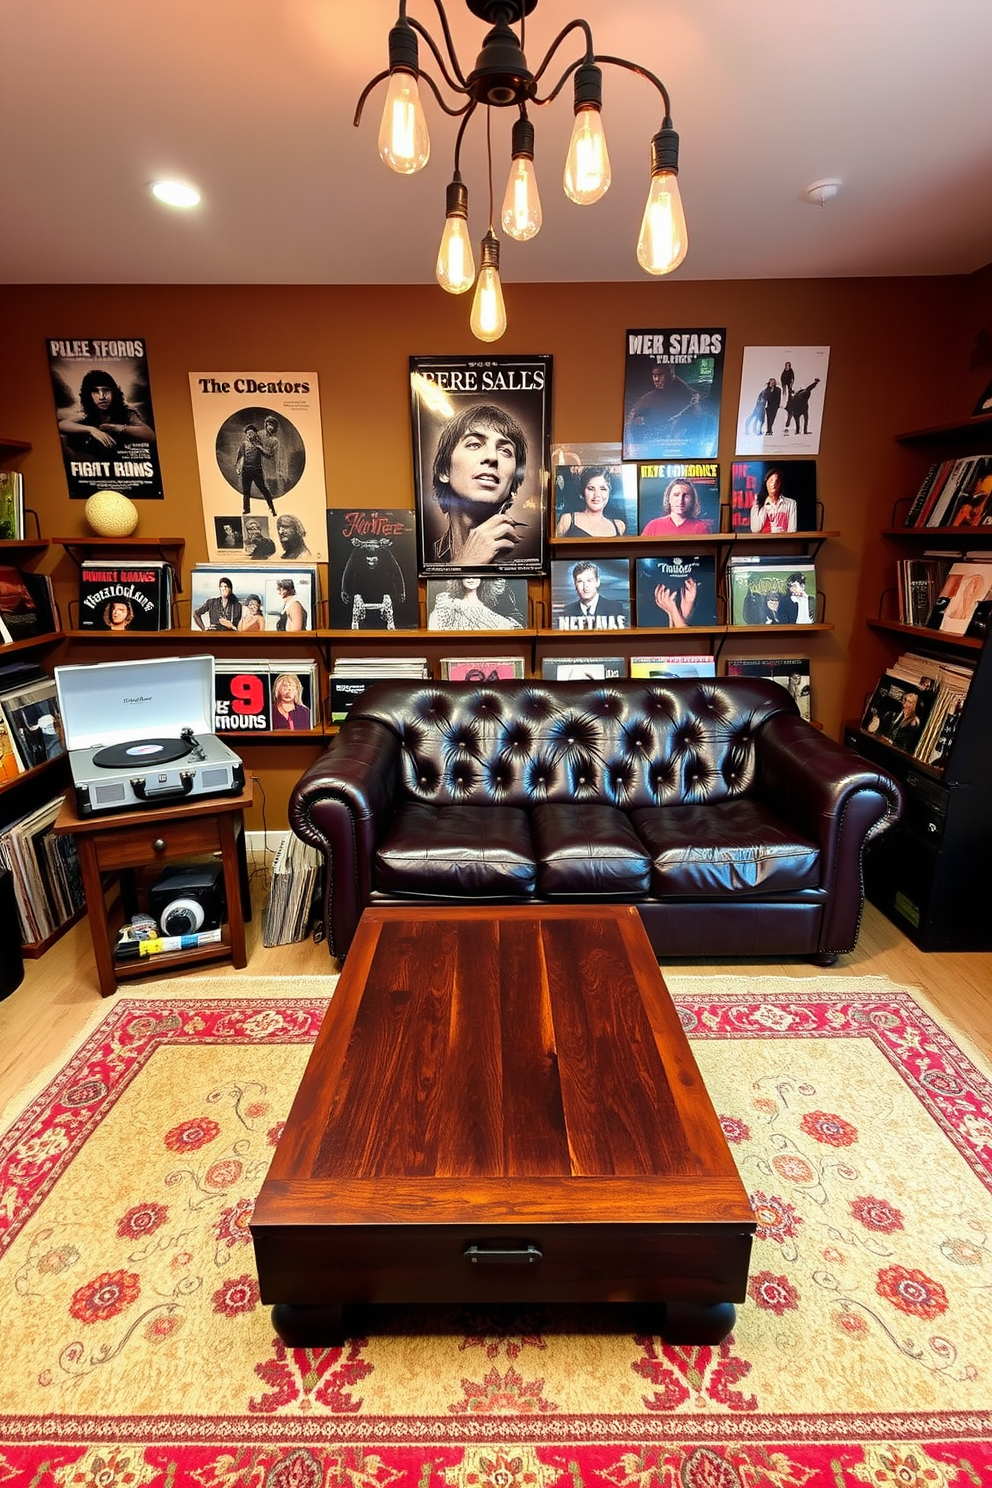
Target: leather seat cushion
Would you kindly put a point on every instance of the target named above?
(588, 850)
(724, 849)
(450, 851)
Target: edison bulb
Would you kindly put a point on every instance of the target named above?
(404, 143)
(522, 204)
(587, 164)
(663, 240)
(488, 318)
(455, 270)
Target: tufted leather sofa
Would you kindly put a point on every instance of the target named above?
(735, 827)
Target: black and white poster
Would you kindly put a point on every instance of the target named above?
(781, 404)
(481, 441)
(103, 403)
(372, 582)
(260, 455)
(673, 381)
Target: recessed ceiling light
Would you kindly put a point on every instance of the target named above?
(175, 193)
(819, 192)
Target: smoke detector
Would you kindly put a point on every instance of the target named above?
(819, 192)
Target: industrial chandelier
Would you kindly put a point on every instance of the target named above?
(501, 78)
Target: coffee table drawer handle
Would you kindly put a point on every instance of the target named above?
(503, 1255)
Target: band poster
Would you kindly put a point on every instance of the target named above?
(781, 406)
(103, 404)
(673, 381)
(260, 456)
(481, 443)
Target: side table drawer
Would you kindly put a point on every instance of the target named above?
(131, 847)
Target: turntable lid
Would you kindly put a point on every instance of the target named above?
(114, 701)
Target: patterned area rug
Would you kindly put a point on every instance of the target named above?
(134, 1349)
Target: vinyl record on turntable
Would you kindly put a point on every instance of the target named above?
(141, 752)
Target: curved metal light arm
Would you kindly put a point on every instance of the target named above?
(424, 77)
(468, 112)
(456, 87)
(447, 41)
(577, 25)
(641, 72)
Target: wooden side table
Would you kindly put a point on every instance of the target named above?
(116, 842)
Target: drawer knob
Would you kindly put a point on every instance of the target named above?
(159, 845)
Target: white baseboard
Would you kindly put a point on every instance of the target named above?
(259, 842)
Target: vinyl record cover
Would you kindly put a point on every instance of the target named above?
(292, 696)
(260, 456)
(595, 494)
(18, 606)
(10, 760)
(897, 712)
(678, 499)
(769, 496)
(103, 404)
(972, 505)
(791, 673)
(247, 598)
(782, 395)
(345, 691)
(482, 668)
(474, 603)
(587, 595)
(124, 596)
(583, 668)
(372, 573)
(11, 505)
(774, 589)
(673, 382)
(672, 666)
(676, 591)
(967, 584)
(242, 696)
(481, 444)
(33, 717)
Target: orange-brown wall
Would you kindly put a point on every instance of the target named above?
(899, 359)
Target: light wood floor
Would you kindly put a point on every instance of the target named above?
(60, 991)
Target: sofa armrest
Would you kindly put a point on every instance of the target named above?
(836, 799)
(341, 805)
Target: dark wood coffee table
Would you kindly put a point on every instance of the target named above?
(502, 1106)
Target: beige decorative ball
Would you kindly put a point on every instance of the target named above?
(111, 515)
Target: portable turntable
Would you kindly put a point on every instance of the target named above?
(138, 733)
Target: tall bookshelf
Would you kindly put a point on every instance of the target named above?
(929, 873)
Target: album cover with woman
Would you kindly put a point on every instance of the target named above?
(773, 496)
(474, 603)
(481, 444)
(595, 493)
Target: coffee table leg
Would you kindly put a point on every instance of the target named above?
(695, 1322)
(309, 1327)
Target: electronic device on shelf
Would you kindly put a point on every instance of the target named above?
(138, 733)
(185, 901)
